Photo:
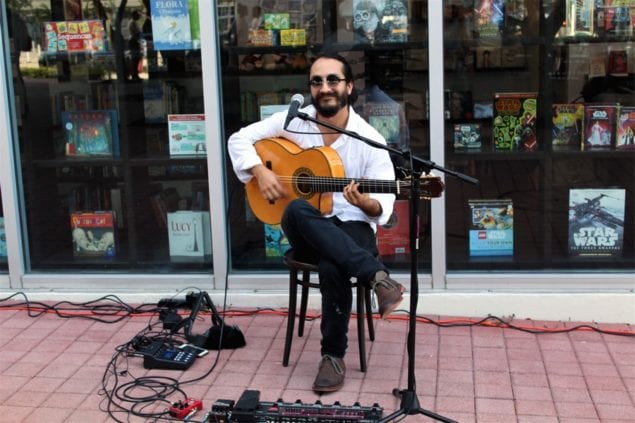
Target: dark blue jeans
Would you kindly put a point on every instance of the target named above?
(341, 250)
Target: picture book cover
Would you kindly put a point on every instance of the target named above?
(467, 135)
(388, 118)
(617, 64)
(579, 15)
(618, 17)
(393, 25)
(93, 234)
(596, 222)
(625, 134)
(154, 102)
(489, 16)
(380, 22)
(514, 126)
(171, 25)
(276, 242)
(187, 134)
(568, 126)
(599, 126)
(3, 238)
(394, 237)
(189, 234)
(491, 227)
(75, 37)
(91, 133)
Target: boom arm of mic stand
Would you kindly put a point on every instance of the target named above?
(426, 165)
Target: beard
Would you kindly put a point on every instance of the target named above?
(330, 110)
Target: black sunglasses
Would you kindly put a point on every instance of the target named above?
(331, 81)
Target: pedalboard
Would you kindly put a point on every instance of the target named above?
(249, 408)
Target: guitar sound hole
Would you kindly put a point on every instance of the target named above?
(303, 186)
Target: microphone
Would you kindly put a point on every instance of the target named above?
(296, 102)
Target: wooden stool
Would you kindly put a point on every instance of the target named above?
(363, 303)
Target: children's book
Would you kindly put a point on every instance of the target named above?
(394, 237)
(91, 133)
(568, 126)
(189, 234)
(467, 135)
(514, 126)
(625, 134)
(93, 234)
(491, 227)
(388, 118)
(599, 126)
(187, 134)
(171, 25)
(276, 242)
(596, 222)
(618, 17)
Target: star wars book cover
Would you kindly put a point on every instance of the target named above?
(596, 222)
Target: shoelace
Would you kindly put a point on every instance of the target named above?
(334, 363)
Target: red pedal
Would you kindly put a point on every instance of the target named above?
(183, 409)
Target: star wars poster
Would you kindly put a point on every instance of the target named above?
(596, 222)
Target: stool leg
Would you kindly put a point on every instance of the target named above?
(369, 313)
(361, 336)
(293, 292)
(304, 299)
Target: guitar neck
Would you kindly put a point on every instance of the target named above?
(326, 184)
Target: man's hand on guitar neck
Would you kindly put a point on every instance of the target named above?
(270, 186)
(368, 205)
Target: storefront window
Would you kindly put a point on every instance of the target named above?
(266, 50)
(3, 242)
(108, 97)
(540, 108)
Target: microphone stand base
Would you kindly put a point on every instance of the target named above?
(410, 406)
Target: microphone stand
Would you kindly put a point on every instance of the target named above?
(409, 401)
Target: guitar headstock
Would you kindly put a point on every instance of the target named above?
(431, 186)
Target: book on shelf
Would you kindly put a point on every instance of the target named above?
(171, 28)
(596, 222)
(483, 109)
(491, 227)
(200, 195)
(293, 37)
(3, 239)
(617, 64)
(67, 101)
(276, 21)
(625, 134)
(388, 118)
(186, 134)
(394, 237)
(276, 242)
(514, 126)
(489, 18)
(599, 126)
(161, 98)
(267, 110)
(189, 234)
(93, 234)
(91, 133)
(568, 125)
(619, 17)
(459, 104)
(467, 136)
(579, 15)
(393, 25)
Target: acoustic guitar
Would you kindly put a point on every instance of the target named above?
(314, 174)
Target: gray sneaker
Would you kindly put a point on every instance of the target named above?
(388, 291)
(330, 375)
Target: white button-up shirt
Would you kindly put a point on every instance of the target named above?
(360, 160)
